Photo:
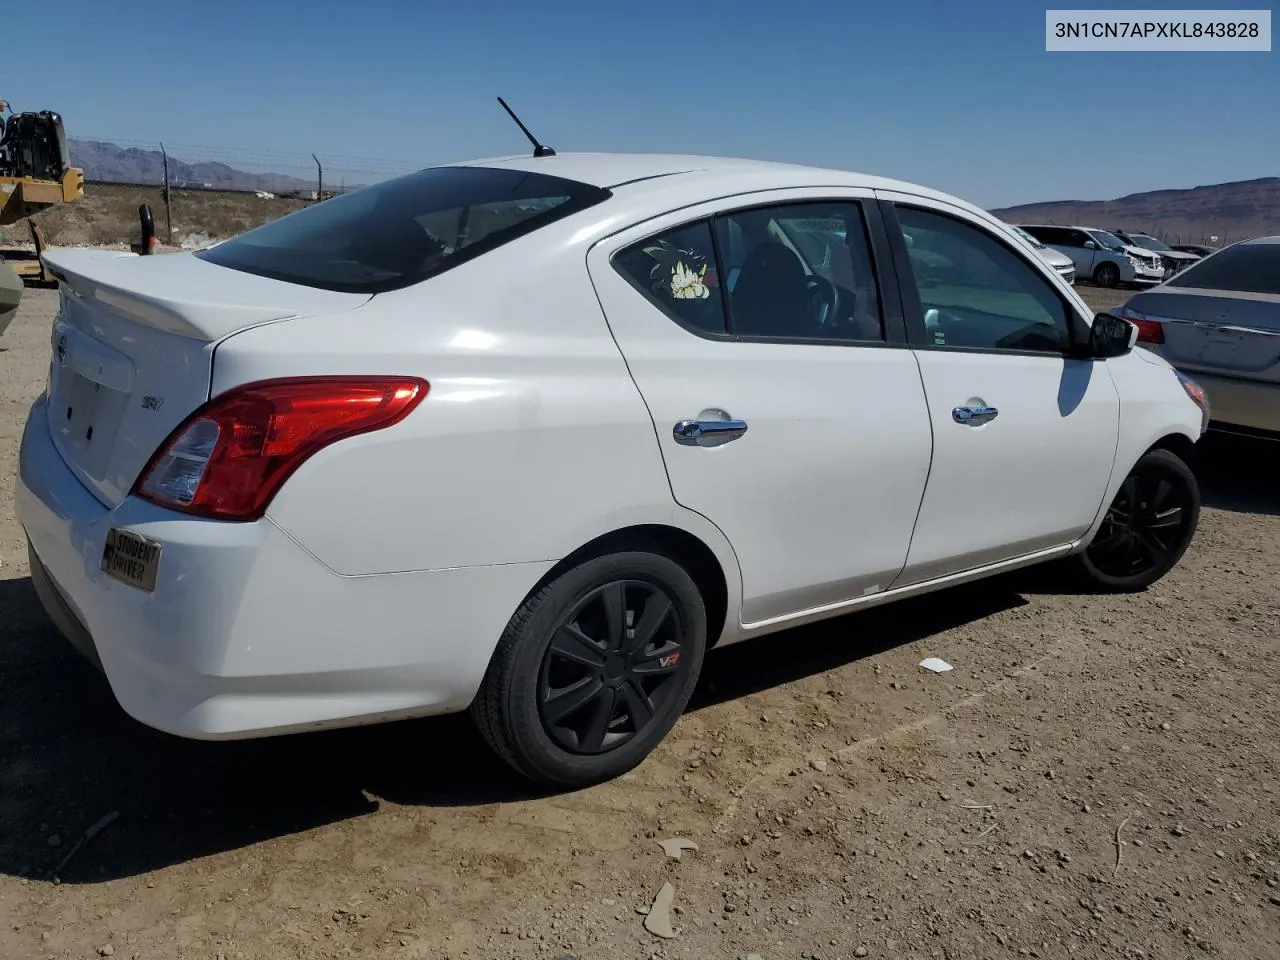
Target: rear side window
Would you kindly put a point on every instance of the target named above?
(402, 231)
(1248, 268)
(676, 270)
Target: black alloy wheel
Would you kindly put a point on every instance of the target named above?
(612, 664)
(1148, 526)
(594, 669)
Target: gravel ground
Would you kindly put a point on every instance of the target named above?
(1098, 777)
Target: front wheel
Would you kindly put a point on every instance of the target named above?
(1107, 275)
(594, 669)
(1148, 526)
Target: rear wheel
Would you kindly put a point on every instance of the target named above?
(1107, 275)
(594, 669)
(1148, 526)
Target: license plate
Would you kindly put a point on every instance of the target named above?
(131, 559)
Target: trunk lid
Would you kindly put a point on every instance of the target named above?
(1217, 331)
(132, 350)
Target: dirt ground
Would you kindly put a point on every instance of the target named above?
(1098, 777)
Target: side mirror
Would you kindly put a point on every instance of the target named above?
(1090, 245)
(1111, 336)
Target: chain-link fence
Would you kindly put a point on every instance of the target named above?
(107, 215)
(214, 192)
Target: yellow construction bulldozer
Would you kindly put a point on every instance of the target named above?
(35, 174)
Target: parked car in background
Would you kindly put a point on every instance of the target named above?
(528, 436)
(1060, 262)
(1099, 256)
(1219, 320)
(1174, 261)
(10, 295)
(1200, 249)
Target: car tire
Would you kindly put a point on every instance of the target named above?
(1107, 275)
(1151, 522)
(583, 637)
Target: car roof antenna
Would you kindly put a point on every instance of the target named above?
(539, 150)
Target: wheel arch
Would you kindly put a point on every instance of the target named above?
(1173, 438)
(1179, 444)
(675, 543)
(1107, 266)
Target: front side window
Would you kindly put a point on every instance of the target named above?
(1107, 241)
(975, 292)
(403, 231)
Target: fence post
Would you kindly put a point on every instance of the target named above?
(168, 210)
(147, 234)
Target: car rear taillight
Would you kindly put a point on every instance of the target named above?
(228, 459)
(1149, 331)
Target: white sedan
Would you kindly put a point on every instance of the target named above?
(528, 436)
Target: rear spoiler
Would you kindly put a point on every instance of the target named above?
(112, 278)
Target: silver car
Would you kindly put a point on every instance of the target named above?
(1219, 321)
(1100, 256)
(1175, 261)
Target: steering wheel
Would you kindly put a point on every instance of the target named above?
(824, 288)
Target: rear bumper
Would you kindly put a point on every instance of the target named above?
(1243, 404)
(60, 610)
(246, 634)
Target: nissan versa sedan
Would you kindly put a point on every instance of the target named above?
(1219, 320)
(528, 436)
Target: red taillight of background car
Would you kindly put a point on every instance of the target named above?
(228, 459)
(1149, 331)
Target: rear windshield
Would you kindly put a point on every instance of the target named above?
(1248, 268)
(402, 231)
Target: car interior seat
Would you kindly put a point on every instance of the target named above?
(771, 296)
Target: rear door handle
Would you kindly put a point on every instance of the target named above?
(707, 433)
(974, 416)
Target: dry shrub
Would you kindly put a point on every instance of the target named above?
(109, 215)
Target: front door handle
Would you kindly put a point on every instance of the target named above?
(707, 433)
(974, 416)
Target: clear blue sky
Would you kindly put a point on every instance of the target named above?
(959, 96)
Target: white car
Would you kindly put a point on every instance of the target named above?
(1064, 265)
(527, 436)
